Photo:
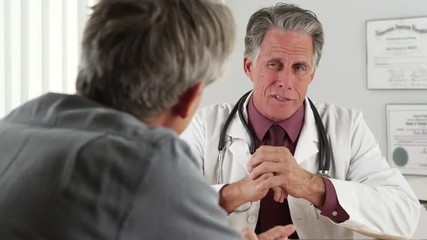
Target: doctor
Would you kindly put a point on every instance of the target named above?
(264, 180)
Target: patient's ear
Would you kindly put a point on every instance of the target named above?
(189, 101)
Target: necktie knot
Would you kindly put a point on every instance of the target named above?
(276, 135)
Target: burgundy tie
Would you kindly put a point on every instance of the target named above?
(276, 136)
(272, 213)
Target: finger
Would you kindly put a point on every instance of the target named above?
(248, 234)
(267, 153)
(263, 177)
(265, 167)
(271, 182)
(278, 232)
(284, 196)
(256, 160)
(280, 194)
(277, 193)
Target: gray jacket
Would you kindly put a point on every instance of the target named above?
(73, 169)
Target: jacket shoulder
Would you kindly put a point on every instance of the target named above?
(215, 109)
(338, 112)
(214, 114)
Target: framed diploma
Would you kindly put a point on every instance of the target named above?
(397, 53)
(407, 137)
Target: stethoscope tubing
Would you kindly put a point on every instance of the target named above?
(324, 146)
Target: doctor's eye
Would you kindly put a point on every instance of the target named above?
(301, 69)
(274, 65)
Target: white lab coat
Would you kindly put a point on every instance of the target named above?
(377, 198)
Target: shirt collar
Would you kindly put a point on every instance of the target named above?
(261, 124)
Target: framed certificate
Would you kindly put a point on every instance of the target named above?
(407, 137)
(397, 53)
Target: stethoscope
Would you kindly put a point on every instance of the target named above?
(324, 146)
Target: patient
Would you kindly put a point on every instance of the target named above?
(106, 163)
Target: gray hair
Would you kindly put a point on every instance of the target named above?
(140, 56)
(286, 17)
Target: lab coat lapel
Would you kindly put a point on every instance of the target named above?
(307, 146)
(241, 139)
(236, 129)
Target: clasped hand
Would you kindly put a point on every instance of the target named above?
(274, 167)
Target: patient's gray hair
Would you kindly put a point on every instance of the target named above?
(140, 56)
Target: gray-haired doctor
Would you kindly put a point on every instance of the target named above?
(325, 174)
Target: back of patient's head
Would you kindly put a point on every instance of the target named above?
(139, 56)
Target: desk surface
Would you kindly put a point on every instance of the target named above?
(419, 185)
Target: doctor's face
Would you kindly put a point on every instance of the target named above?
(281, 73)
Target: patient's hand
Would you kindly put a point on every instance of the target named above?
(276, 233)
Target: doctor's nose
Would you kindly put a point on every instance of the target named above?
(285, 78)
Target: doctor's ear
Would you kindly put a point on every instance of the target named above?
(189, 101)
(247, 67)
(312, 75)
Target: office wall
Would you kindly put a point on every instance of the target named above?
(341, 76)
(39, 47)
